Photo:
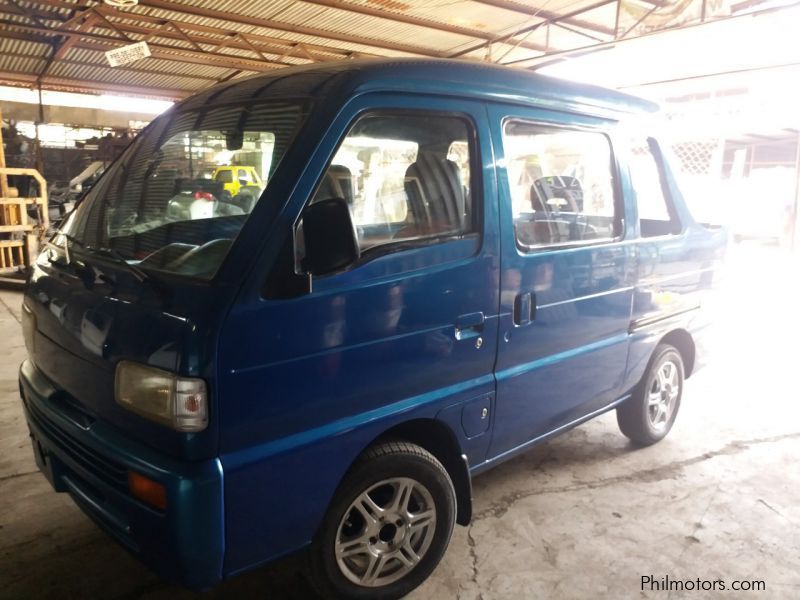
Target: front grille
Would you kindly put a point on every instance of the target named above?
(95, 463)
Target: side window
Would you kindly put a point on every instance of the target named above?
(405, 177)
(561, 183)
(244, 175)
(656, 214)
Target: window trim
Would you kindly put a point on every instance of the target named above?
(654, 147)
(614, 167)
(475, 185)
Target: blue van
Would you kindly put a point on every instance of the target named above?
(446, 263)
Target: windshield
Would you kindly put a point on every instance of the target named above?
(179, 195)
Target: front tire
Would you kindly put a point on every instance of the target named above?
(388, 526)
(648, 415)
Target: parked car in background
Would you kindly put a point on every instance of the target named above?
(449, 263)
(234, 178)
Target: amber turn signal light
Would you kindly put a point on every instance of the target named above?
(147, 490)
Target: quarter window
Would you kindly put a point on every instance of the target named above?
(561, 184)
(405, 177)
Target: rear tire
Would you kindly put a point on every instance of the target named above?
(648, 415)
(388, 526)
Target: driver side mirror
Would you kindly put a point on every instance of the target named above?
(331, 241)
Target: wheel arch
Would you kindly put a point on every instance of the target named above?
(438, 439)
(682, 340)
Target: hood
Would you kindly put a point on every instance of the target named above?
(85, 320)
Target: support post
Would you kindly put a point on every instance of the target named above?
(39, 121)
(3, 176)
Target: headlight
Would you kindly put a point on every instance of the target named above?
(161, 396)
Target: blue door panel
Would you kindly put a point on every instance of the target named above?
(555, 394)
(310, 381)
(568, 358)
(371, 347)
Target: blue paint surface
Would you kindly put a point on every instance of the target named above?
(300, 386)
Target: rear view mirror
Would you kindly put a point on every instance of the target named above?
(331, 242)
(234, 140)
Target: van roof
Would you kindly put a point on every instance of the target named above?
(341, 79)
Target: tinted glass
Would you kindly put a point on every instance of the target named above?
(160, 205)
(405, 177)
(561, 184)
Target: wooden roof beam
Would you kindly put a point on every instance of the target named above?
(25, 12)
(126, 68)
(131, 18)
(86, 20)
(364, 9)
(235, 40)
(508, 39)
(170, 30)
(102, 43)
(336, 36)
(552, 17)
(187, 38)
(28, 80)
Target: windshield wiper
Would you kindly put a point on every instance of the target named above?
(68, 238)
(140, 275)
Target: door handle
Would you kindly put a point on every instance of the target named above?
(469, 325)
(524, 308)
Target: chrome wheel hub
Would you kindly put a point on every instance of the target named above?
(663, 395)
(385, 532)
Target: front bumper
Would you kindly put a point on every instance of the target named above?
(90, 460)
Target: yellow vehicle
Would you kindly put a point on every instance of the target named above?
(235, 177)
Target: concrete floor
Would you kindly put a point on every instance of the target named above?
(585, 515)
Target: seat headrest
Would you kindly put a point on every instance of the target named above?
(337, 183)
(434, 189)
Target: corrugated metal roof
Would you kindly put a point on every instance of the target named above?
(127, 78)
(93, 58)
(22, 47)
(55, 10)
(20, 64)
(335, 20)
(232, 38)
